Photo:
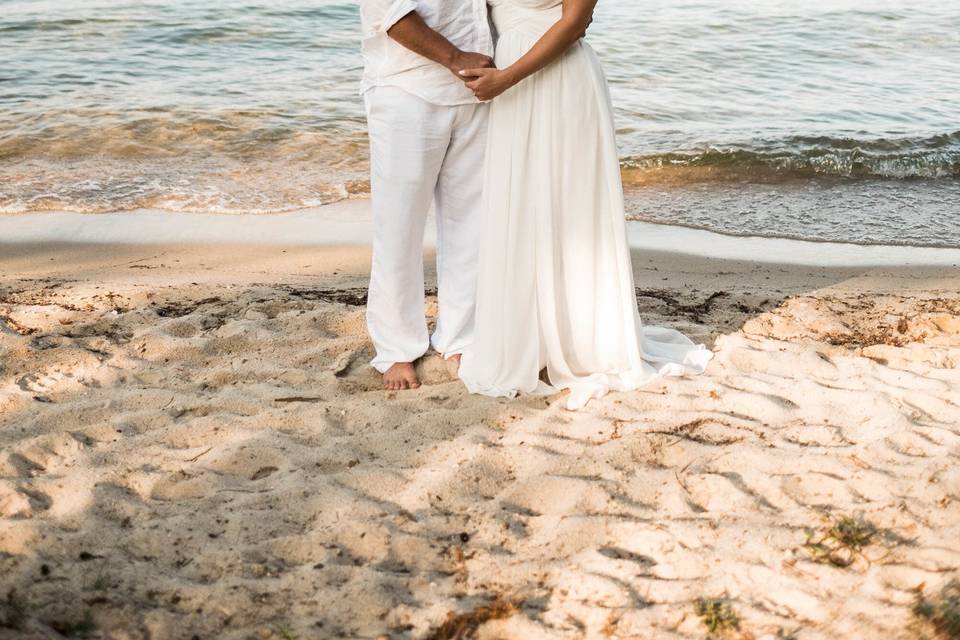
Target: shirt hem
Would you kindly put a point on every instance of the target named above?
(422, 96)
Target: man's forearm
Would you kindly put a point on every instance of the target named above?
(414, 34)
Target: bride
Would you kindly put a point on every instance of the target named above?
(555, 288)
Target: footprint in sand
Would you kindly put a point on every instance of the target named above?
(913, 445)
(41, 383)
(47, 453)
(345, 324)
(808, 435)
(13, 503)
(817, 489)
(181, 329)
(716, 492)
(14, 465)
(248, 462)
(181, 486)
(23, 501)
(160, 346)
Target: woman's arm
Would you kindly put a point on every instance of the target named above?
(576, 17)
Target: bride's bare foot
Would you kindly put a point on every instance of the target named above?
(401, 376)
(453, 364)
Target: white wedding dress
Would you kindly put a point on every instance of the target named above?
(555, 284)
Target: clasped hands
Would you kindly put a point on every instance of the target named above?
(480, 74)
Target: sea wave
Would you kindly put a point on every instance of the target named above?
(796, 157)
(202, 185)
(264, 135)
(258, 162)
(340, 141)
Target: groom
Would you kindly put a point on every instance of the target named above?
(427, 139)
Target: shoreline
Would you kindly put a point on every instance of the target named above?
(348, 223)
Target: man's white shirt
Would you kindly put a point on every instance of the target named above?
(387, 63)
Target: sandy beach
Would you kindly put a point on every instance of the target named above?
(192, 445)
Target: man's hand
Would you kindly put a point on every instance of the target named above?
(469, 60)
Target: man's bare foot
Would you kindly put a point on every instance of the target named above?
(401, 376)
(453, 364)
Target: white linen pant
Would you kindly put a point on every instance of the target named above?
(421, 153)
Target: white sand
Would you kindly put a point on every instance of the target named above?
(191, 443)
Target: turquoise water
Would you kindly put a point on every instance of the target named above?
(833, 120)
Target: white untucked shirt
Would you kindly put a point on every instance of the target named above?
(465, 23)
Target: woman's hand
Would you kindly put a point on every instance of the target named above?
(487, 84)
(468, 60)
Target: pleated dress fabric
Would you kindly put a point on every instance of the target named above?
(555, 283)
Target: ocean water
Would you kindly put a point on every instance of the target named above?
(832, 120)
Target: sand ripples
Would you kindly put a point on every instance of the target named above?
(221, 460)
